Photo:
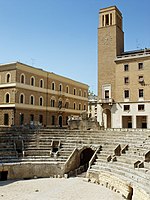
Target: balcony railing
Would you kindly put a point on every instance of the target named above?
(106, 100)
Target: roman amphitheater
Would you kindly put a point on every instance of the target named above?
(117, 159)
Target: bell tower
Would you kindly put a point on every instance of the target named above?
(110, 45)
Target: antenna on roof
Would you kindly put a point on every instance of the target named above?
(32, 61)
(137, 44)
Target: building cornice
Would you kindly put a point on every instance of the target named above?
(132, 57)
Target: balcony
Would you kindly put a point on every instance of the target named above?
(106, 101)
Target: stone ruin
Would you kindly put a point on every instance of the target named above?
(82, 122)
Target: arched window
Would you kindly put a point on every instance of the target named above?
(22, 98)
(80, 92)
(85, 94)
(84, 107)
(60, 87)
(67, 104)
(52, 102)
(41, 83)
(74, 91)
(32, 100)
(32, 81)
(41, 101)
(74, 106)
(53, 85)
(22, 78)
(8, 78)
(7, 98)
(79, 106)
(67, 89)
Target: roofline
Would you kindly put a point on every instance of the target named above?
(110, 8)
(40, 69)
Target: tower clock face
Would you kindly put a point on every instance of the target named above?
(106, 39)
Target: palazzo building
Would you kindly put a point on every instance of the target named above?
(32, 96)
(123, 77)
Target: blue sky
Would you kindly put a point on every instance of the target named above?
(61, 35)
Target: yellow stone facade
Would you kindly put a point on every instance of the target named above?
(123, 77)
(32, 96)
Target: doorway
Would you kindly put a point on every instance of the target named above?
(106, 118)
(3, 175)
(6, 119)
(60, 121)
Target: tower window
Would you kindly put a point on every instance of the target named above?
(140, 66)
(106, 94)
(126, 80)
(103, 20)
(110, 18)
(126, 67)
(141, 93)
(107, 19)
(126, 94)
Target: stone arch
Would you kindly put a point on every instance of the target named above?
(85, 155)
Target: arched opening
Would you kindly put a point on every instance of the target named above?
(106, 117)
(60, 121)
(85, 157)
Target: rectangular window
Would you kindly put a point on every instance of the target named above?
(106, 94)
(126, 107)
(141, 107)
(141, 93)
(126, 80)
(140, 66)
(110, 18)
(141, 79)
(103, 20)
(107, 19)
(126, 94)
(126, 67)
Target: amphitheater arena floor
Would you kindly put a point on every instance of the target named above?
(55, 189)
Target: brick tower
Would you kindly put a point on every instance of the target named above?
(110, 45)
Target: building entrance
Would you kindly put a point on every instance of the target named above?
(106, 118)
(141, 121)
(126, 121)
(60, 121)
